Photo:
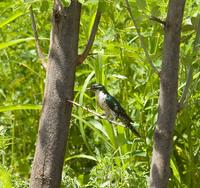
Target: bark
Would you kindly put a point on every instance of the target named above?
(163, 135)
(56, 112)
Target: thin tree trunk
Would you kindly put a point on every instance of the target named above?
(56, 112)
(163, 135)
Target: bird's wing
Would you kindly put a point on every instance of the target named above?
(117, 108)
(114, 104)
(120, 112)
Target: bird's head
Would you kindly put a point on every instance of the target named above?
(97, 87)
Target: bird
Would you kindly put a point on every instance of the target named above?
(112, 107)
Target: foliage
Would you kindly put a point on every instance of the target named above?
(98, 154)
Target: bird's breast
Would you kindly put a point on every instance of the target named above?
(101, 98)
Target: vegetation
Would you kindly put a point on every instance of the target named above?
(99, 154)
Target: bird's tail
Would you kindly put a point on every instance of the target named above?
(129, 124)
(133, 130)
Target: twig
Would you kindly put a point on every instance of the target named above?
(157, 20)
(185, 90)
(141, 39)
(96, 114)
(189, 75)
(39, 50)
(88, 47)
(197, 38)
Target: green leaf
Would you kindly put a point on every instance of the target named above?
(66, 3)
(81, 1)
(120, 76)
(141, 4)
(102, 136)
(80, 111)
(155, 11)
(98, 126)
(83, 156)
(186, 28)
(17, 41)
(175, 170)
(20, 107)
(103, 6)
(45, 5)
(90, 26)
(5, 181)
(11, 18)
(30, 69)
(89, 2)
(140, 153)
(14, 42)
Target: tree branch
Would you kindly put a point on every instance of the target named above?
(141, 39)
(39, 50)
(167, 109)
(96, 114)
(157, 20)
(59, 86)
(88, 47)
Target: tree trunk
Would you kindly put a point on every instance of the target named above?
(56, 112)
(163, 135)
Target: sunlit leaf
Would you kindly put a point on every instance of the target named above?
(5, 180)
(175, 170)
(20, 107)
(11, 18)
(15, 42)
(81, 156)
